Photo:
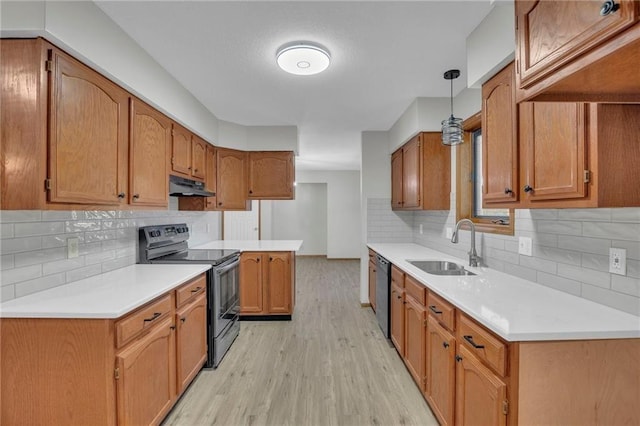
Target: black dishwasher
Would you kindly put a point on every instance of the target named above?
(383, 287)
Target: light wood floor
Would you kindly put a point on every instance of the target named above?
(330, 365)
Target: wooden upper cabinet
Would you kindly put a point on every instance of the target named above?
(500, 139)
(421, 174)
(570, 49)
(231, 179)
(88, 143)
(271, 175)
(198, 157)
(579, 155)
(149, 152)
(181, 150)
(396, 180)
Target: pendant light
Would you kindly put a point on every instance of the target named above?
(452, 128)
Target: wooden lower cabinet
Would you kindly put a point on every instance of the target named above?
(481, 396)
(267, 283)
(441, 370)
(125, 371)
(415, 340)
(146, 377)
(397, 303)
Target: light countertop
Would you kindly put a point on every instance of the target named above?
(253, 245)
(109, 295)
(513, 308)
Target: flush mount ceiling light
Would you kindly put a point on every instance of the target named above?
(303, 58)
(452, 127)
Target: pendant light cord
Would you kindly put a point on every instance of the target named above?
(451, 97)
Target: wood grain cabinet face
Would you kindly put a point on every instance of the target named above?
(397, 317)
(88, 144)
(149, 152)
(421, 174)
(441, 370)
(210, 176)
(551, 34)
(251, 278)
(267, 283)
(181, 150)
(191, 341)
(198, 157)
(415, 340)
(279, 283)
(146, 386)
(231, 179)
(500, 139)
(481, 396)
(271, 175)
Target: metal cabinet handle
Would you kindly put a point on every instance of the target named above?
(527, 188)
(435, 310)
(445, 345)
(136, 196)
(508, 191)
(458, 358)
(609, 7)
(472, 343)
(155, 316)
(173, 327)
(183, 319)
(121, 195)
(195, 170)
(197, 289)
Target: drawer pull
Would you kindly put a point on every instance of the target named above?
(434, 310)
(154, 317)
(197, 289)
(609, 7)
(472, 343)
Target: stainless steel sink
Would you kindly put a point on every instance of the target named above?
(440, 267)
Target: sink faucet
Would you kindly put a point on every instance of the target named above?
(474, 259)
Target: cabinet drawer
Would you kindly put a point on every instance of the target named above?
(483, 345)
(190, 289)
(415, 289)
(133, 325)
(397, 276)
(442, 311)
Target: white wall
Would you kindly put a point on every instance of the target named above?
(304, 218)
(343, 210)
(272, 138)
(490, 46)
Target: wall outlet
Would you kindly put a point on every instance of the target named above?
(524, 246)
(449, 232)
(72, 247)
(421, 230)
(618, 261)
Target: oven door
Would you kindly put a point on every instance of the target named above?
(226, 295)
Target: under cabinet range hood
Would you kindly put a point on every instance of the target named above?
(182, 187)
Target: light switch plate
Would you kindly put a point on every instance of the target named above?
(525, 246)
(618, 261)
(449, 232)
(72, 247)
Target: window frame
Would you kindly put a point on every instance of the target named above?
(464, 184)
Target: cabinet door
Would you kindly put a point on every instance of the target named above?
(231, 179)
(415, 335)
(372, 285)
(441, 371)
(198, 154)
(396, 179)
(500, 139)
(481, 396)
(397, 318)
(551, 34)
(279, 283)
(554, 135)
(88, 144)
(251, 294)
(146, 387)
(271, 175)
(191, 340)
(210, 176)
(411, 174)
(148, 153)
(181, 150)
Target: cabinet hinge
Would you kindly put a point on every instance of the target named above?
(116, 373)
(425, 322)
(587, 176)
(48, 65)
(172, 160)
(47, 184)
(505, 407)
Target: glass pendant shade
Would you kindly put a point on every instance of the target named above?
(452, 133)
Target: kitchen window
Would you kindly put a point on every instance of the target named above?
(469, 184)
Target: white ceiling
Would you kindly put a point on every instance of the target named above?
(384, 55)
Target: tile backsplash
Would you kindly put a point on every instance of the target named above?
(33, 245)
(570, 247)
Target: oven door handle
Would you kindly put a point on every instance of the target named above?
(230, 266)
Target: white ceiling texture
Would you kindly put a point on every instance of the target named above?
(384, 55)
